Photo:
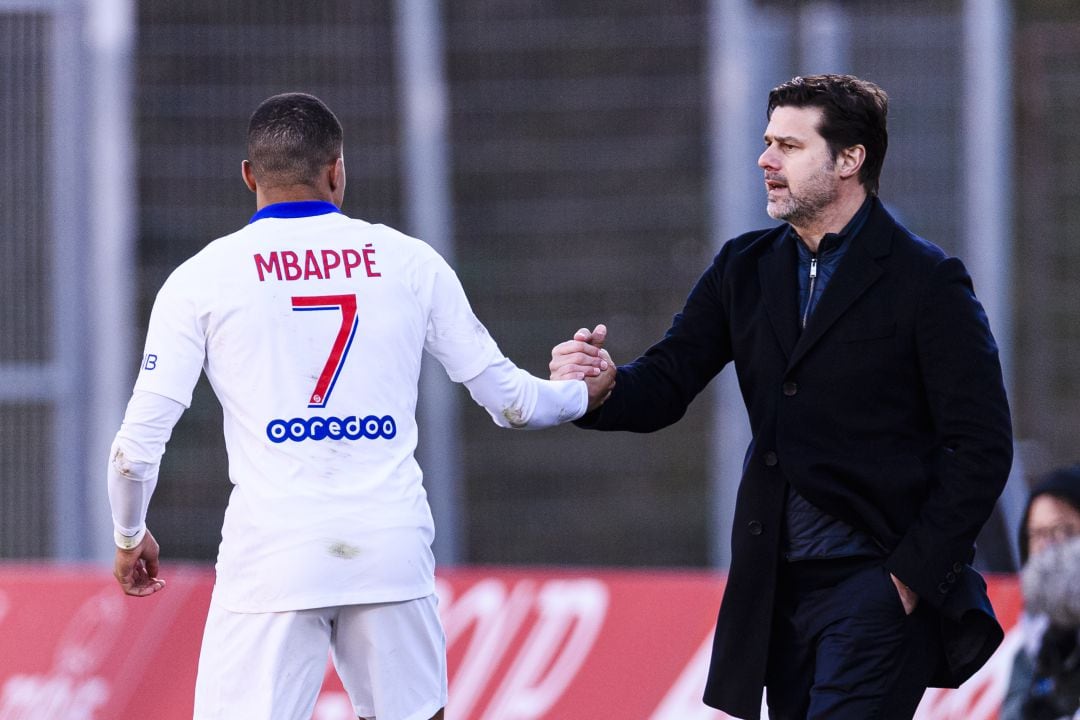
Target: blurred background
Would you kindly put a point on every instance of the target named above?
(577, 161)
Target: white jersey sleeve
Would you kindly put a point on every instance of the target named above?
(175, 347)
(513, 397)
(455, 337)
(134, 460)
(516, 399)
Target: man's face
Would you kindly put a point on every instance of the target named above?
(801, 178)
(1050, 520)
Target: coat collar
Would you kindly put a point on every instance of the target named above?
(858, 270)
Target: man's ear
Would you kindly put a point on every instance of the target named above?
(850, 160)
(336, 175)
(248, 175)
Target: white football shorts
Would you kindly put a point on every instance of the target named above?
(391, 658)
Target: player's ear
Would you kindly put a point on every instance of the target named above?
(336, 178)
(850, 160)
(248, 175)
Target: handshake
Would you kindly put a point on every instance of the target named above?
(584, 358)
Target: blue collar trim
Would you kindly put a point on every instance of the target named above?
(299, 209)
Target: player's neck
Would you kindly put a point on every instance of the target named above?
(290, 193)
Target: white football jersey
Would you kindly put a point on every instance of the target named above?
(310, 327)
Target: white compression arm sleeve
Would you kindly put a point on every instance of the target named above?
(516, 399)
(134, 459)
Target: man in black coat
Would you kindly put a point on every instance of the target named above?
(881, 431)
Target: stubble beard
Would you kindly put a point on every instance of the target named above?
(802, 209)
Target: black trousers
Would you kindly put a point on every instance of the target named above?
(842, 647)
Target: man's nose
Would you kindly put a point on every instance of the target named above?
(766, 159)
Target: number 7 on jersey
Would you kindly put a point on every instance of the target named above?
(340, 350)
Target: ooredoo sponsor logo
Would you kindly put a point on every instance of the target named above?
(352, 427)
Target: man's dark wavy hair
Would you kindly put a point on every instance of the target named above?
(291, 138)
(854, 112)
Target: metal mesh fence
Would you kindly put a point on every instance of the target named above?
(24, 249)
(913, 53)
(578, 158)
(25, 465)
(25, 301)
(1047, 403)
(202, 67)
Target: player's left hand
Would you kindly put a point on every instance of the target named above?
(136, 569)
(908, 597)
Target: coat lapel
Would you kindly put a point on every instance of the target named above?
(858, 270)
(777, 273)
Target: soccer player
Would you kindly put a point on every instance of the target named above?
(310, 327)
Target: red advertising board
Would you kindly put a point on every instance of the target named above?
(523, 644)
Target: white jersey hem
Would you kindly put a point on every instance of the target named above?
(309, 602)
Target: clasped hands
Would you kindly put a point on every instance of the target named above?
(584, 358)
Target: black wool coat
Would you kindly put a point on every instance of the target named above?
(887, 412)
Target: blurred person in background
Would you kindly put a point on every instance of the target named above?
(1051, 517)
(1051, 586)
(310, 327)
(881, 431)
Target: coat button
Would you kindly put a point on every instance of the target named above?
(950, 577)
(957, 567)
(790, 388)
(754, 527)
(771, 459)
(943, 588)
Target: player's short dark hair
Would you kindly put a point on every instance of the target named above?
(853, 113)
(291, 138)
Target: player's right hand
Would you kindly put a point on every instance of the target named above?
(584, 358)
(580, 358)
(136, 569)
